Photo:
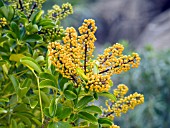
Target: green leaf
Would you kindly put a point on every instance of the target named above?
(27, 83)
(47, 84)
(2, 110)
(87, 116)
(31, 28)
(45, 75)
(62, 124)
(70, 95)
(16, 57)
(65, 113)
(95, 95)
(33, 38)
(84, 101)
(25, 119)
(37, 16)
(46, 112)
(53, 107)
(52, 125)
(15, 82)
(15, 29)
(44, 97)
(37, 121)
(95, 69)
(104, 121)
(22, 91)
(92, 109)
(108, 95)
(1, 3)
(33, 104)
(66, 85)
(11, 13)
(80, 72)
(13, 124)
(4, 100)
(46, 22)
(31, 64)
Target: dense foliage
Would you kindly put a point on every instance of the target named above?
(48, 75)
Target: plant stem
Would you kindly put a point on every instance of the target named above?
(39, 94)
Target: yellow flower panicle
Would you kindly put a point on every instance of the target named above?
(114, 62)
(3, 22)
(123, 104)
(76, 52)
(58, 13)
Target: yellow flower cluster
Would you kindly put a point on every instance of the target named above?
(3, 22)
(26, 5)
(114, 126)
(58, 13)
(123, 104)
(76, 52)
(114, 62)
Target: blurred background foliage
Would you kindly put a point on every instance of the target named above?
(145, 24)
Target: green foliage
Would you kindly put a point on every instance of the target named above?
(32, 93)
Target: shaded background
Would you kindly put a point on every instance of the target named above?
(142, 26)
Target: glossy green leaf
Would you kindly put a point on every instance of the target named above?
(15, 82)
(104, 121)
(31, 28)
(108, 95)
(16, 57)
(84, 101)
(37, 17)
(65, 113)
(67, 84)
(31, 64)
(47, 84)
(53, 107)
(87, 116)
(2, 110)
(70, 95)
(15, 29)
(52, 125)
(92, 109)
(46, 112)
(33, 38)
(45, 75)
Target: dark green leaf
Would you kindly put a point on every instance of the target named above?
(87, 116)
(47, 84)
(15, 29)
(104, 121)
(65, 113)
(44, 97)
(70, 95)
(92, 109)
(37, 17)
(45, 75)
(84, 101)
(53, 107)
(26, 83)
(33, 38)
(15, 82)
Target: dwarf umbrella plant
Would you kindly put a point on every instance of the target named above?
(49, 77)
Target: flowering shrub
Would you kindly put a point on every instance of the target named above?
(48, 75)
